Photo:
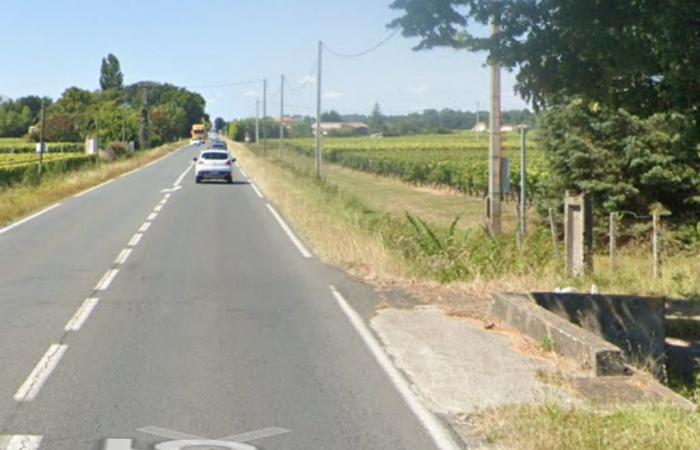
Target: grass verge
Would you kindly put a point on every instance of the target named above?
(555, 427)
(19, 201)
(427, 247)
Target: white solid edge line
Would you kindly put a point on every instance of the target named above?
(20, 442)
(158, 208)
(87, 191)
(81, 315)
(255, 188)
(145, 227)
(106, 280)
(168, 195)
(123, 255)
(134, 241)
(242, 172)
(163, 202)
(299, 245)
(440, 435)
(28, 218)
(34, 382)
(151, 217)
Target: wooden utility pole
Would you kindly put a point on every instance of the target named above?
(495, 151)
(655, 241)
(613, 240)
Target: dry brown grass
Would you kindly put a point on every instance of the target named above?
(19, 201)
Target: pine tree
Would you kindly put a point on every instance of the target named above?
(377, 122)
(111, 76)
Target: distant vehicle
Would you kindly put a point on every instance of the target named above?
(199, 133)
(219, 145)
(214, 164)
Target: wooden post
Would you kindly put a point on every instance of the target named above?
(655, 240)
(553, 229)
(613, 240)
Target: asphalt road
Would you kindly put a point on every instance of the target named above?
(132, 318)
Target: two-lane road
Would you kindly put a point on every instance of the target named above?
(191, 312)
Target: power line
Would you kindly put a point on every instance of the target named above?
(364, 52)
(211, 86)
(308, 79)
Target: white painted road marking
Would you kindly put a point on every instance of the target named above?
(27, 219)
(243, 172)
(34, 382)
(20, 442)
(135, 240)
(123, 255)
(106, 280)
(255, 188)
(176, 188)
(157, 208)
(145, 227)
(151, 217)
(81, 315)
(87, 191)
(437, 431)
(295, 240)
(179, 179)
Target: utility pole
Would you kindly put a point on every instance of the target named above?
(282, 117)
(41, 138)
(318, 111)
(495, 151)
(257, 122)
(264, 128)
(522, 228)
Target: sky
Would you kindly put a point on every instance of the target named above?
(209, 45)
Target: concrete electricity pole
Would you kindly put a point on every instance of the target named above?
(257, 122)
(282, 117)
(264, 128)
(318, 111)
(41, 138)
(495, 151)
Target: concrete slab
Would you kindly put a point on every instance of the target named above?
(458, 367)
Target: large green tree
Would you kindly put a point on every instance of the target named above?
(641, 55)
(111, 76)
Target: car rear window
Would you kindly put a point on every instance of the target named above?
(215, 155)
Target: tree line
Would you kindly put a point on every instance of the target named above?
(429, 121)
(147, 112)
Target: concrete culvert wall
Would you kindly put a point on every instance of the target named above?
(635, 324)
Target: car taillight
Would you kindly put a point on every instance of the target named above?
(228, 163)
(200, 161)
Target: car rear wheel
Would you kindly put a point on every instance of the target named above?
(229, 179)
(198, 180)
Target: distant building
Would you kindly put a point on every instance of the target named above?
(480, 127)
(342, 128)
(507, 128)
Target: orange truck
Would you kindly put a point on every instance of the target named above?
(199, 133)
